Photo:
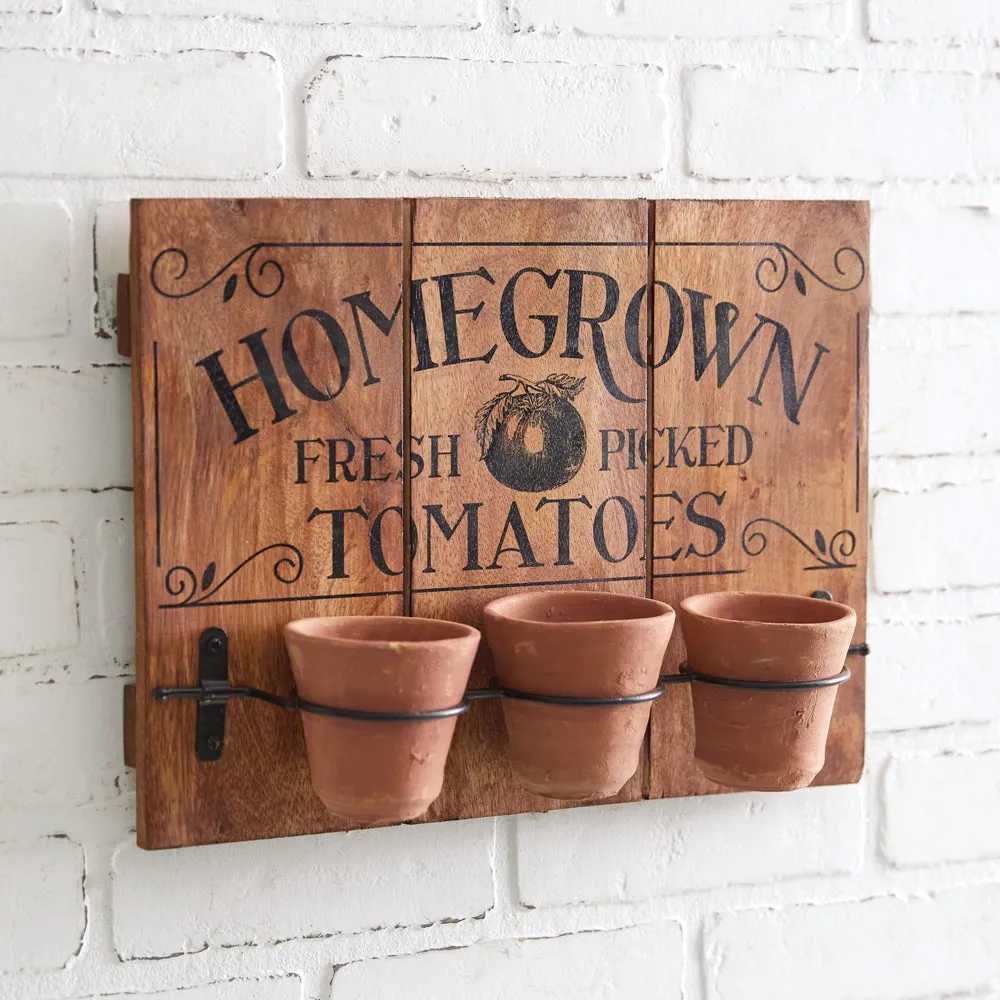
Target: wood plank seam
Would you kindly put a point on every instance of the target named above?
(405, 292)
(647, 757)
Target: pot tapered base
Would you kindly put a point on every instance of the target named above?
(376, 811)
(783, 781)
(568, 752)
(575, 791)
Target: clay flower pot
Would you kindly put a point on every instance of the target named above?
(763, 740)
(369, 771)
(578, 644)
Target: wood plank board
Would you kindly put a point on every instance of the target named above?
(528, 396)
(761, 428)
(238, 485)
(273, 385)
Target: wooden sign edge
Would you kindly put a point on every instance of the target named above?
(134, 302)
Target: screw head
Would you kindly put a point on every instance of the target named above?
(214, 743)
(214, 645)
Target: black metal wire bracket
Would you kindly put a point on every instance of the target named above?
(214, 691)
(295, 703)
(604, 702)
(752, 685)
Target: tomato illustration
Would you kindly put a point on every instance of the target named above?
(532, 438)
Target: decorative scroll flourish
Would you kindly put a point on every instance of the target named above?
(170, 267)
(773, 269)
(832, 554)
(182, 582)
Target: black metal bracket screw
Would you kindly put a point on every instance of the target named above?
(859, 648)
(212, 693)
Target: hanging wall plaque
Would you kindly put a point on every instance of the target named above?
(653, 398)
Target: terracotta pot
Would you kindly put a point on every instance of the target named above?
(578, 644)
(763, 740)
(369, 771)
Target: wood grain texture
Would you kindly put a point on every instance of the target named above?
(772, 279)
(123, 323)
(239, 525)
(128, 725)
(529, 499)
(282, 496)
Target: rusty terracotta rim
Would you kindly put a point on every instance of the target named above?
(379, 632)
(724, 606)
(516, 607)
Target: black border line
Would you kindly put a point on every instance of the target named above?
(279, 600)
(156, 446)
(261, 246)
(450, 590)
(529, 243)
(857, 414)
(320, 245)
(409, 591)
(703, 572)
(649, 539)
(716, 243)
(529, 583)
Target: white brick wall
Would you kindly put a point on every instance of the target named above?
(915, 386)
(843, 123)
(62, 745)
(115, 594)
(42, 910)
(963, 825)
(278, 988)
(616, 965)
(310, 886)
(196, 114)
(400, 13)
(34, 270)
(434, 116)
(708, 19)
(886, 891)
(30, 6)
(905, 686)
(956, 545)
(934, 20)
(944, 260)
(611, 854)
(79, 432)
(38, 600)
(895, 947)
(111, 226)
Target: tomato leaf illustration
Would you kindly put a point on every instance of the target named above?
(488, 418)
(820, 542)
(800, 283)
(208, 576)
(563, 385)
(230, 290)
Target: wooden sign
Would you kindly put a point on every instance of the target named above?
(386, 407)
(760, 430)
